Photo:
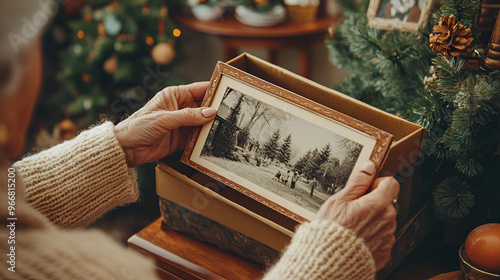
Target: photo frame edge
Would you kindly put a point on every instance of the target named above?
(387, 24)
(207, 100)
(383, 139)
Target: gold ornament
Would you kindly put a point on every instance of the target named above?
(451, 39)
(163, 53)
(66, 130)
(110, 65)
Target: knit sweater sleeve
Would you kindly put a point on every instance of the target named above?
(322, 250)
(79, 180)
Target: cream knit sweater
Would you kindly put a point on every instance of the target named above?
(63, 189)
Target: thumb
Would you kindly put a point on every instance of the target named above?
(189, 117)
(385, 190)
(360, 182)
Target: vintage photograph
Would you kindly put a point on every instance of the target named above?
(277, 147)
(406, 15)
(284, 154)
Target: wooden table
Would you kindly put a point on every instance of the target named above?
(179, 256)
(235, 35)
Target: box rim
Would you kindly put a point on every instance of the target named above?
(162, 192)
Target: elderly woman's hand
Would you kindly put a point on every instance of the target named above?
(162, 126)
(371, 216)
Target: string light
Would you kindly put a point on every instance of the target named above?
(177, 32)
(80, 34)
(150, 41)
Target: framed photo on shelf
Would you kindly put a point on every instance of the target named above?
(277, 147)
(405, 15)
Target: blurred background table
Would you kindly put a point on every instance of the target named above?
(235, 35)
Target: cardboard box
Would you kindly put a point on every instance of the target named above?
(193, 191)
(221, 218)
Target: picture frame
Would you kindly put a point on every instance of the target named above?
(315, 150)
(404, 15)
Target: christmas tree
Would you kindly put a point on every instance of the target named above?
(120, 55)
(434, 77)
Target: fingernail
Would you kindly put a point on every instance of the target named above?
(368, 168)
(208, 112)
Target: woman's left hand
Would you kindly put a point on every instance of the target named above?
(163, 125)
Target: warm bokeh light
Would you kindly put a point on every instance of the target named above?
(150, 41)
(86, 78)
(177, 32)
(80, 34)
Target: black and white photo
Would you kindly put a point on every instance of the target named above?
(278, 148)
(278, 151)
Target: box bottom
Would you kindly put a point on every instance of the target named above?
(210, 231)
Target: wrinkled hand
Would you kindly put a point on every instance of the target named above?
(371, 216)
(163, 125)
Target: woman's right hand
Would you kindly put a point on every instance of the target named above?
(371, 216)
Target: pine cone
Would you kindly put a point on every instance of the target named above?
(451, 38)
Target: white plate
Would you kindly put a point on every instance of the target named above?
(248, 16)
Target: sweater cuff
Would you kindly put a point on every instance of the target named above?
(79, 180)
(324, 250)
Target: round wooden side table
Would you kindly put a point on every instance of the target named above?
(235, 35)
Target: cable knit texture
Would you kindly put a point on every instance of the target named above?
(324, 250)
(79, 180)
(71, 184)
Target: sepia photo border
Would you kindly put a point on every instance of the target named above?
(389, 24)
(375, 142)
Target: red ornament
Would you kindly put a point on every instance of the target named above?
(482, 248)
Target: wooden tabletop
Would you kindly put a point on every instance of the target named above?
(181, 257)
(231, 27)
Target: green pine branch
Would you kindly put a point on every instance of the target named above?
(453, 199)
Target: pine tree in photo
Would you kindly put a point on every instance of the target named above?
(303, 160)
(225, 142)
(318, 158)
(312, 166)
(285, 150)
(328, 174)
(271, 147)
(325, 153)
(434, 77)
